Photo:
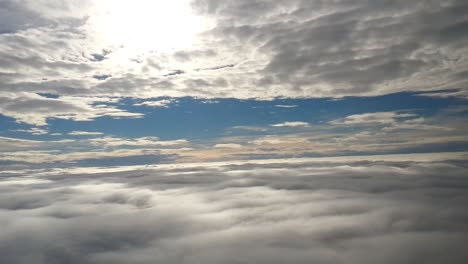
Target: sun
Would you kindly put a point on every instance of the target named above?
(143, 25)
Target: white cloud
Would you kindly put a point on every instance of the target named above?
(106, 151)
(286, 106)
(228, 145)
(293, 49)
(210, 102)
(142, 141)
(161, 103)
(35, 109)
(11, 144)
(275, 49)
(250, 128)
(113, 157)
(34, 131)
(84, 133)
(272, 139)
(377, 133)
(339, 212)
(291, 124)
(416, 124)
(457, 93)
(372, 118)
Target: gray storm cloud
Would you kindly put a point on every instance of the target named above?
(307, 212)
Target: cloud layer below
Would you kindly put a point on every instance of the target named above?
(352, 210)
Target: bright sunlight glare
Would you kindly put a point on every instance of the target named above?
(143, 25)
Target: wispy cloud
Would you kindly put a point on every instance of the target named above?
(286, 106)
(143, 141)
(372, 118)
(84, 133)
(291, 124)
(160, 103)
(35, 109)
(228, 145)
(34, 131)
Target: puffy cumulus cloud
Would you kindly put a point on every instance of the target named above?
(36, 109)
(350, 211)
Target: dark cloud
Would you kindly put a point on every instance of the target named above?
(335, 212)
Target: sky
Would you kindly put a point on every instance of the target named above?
(274, 131)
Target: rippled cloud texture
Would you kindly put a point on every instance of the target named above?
(358, 210)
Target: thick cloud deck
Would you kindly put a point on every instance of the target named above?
(353, 212)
